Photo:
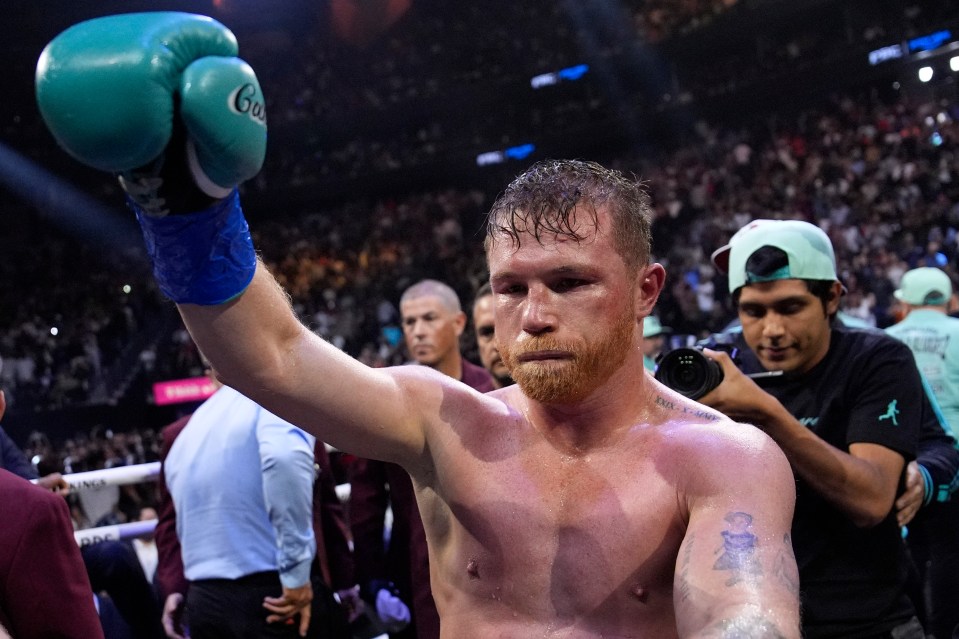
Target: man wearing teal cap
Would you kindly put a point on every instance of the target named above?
(654, 339)
(932, 334)
(933, 337)
(845, 406)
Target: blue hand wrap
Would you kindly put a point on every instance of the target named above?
(201, 258)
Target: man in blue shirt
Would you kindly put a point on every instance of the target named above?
(246, 537)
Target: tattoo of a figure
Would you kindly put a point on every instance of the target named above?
(785, 568)
(739, 549)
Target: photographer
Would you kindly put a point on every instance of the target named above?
(846, 410)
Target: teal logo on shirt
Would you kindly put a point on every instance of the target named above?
(891, 413)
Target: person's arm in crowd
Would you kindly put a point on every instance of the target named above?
(44, 587)
(369, 500)
(12, 457)
(934, 475)
(15, 460)
(171, 582)
(336, 534)
(286, 463)
(862, 482)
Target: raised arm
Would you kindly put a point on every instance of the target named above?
(736, 574)
(285, 367)
(161, 100)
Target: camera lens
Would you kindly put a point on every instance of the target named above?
(689, 372)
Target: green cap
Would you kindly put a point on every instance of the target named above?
(807, 247)
(652, 327)
(924, 286)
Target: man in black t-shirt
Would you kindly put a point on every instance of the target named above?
(845, 406)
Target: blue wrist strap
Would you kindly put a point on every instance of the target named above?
(200, 258)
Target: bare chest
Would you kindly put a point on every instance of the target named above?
(559, 537)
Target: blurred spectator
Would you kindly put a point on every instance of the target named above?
(45, 590)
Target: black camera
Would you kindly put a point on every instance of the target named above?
(689, 372)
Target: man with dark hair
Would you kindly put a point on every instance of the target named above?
(585, 500)
(485, 328)
(845, 406)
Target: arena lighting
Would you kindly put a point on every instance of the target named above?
(923, 45)
(569, 74)
(925, 74)
(929, 42)
(66, 206)
(891, 52)
(518, 152)
(954, 63)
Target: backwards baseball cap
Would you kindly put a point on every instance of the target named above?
(653, 327)
(808, 251)
(924, 286)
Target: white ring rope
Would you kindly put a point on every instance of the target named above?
(118, 532)
(116, 476)
(121, 476)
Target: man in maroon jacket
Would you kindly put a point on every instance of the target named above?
(433, 322)
(44, 588)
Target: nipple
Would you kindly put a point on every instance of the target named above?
(472, 569)
(640, 593)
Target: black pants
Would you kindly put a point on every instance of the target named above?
(233, 609)
(933, 542)
(113, 567)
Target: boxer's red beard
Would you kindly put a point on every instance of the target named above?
(570, 380)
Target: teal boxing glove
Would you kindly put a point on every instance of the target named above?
(161, 100)
(108, 90)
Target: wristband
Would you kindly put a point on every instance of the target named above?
(200, 258)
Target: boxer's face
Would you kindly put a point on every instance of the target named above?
(565, 311)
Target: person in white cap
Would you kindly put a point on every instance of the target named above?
(845, 406)
(933, 337)
(654, 339)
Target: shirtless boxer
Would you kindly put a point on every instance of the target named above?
(586, 500)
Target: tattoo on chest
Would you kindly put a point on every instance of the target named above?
(686, 409)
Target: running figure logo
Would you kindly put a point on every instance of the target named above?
(891, 412)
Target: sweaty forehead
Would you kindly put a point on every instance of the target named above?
(542, 222)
